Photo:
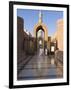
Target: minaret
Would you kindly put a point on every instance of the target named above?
(40, 17)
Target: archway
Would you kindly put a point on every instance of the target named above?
(40, 38)
(44, 29)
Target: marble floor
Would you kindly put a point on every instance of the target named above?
(40, 67)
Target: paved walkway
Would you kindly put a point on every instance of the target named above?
(40, 67)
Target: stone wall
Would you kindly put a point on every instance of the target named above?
(58, 35)
(20, 43)
(59, 55)
(20, 37)
(24, 45)
(59, 62)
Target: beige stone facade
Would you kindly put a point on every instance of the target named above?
(43, 27)
(25, 44)
(58, 35)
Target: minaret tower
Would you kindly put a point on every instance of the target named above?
(40, 17)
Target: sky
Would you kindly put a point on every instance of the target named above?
(31, 18)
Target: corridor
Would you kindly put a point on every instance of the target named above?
(40, 67)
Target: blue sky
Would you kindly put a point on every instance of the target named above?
(31, 18)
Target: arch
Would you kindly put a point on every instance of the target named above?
(44, 28)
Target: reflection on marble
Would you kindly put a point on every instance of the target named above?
(40, 67)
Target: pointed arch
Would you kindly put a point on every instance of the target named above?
(44, 28)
